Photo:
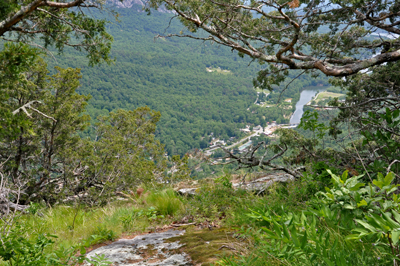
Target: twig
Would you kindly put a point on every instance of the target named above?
(179, 225)
(228, 247)
(390, 165)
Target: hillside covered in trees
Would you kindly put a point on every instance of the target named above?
(170, 76)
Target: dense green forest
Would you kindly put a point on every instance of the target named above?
(169, 75)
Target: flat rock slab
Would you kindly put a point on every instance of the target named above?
(145, 250)
(262, 183)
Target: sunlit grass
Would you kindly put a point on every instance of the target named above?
(166, 202)
(73, 224)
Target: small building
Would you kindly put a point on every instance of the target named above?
(258, 129)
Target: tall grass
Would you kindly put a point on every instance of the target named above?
(71, 224)
(166, 202)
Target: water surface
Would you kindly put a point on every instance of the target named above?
(305, 97)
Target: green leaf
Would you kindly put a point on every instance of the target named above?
(395, 236)
(377, 183)
(295, 239)
(271, 234)
(379, 221)
(396, 113)
(335, 178)
(285, 231)
(388, 179)
(303, 240)
(277, 227)
(348, 207)
(345, 175)
(82, 250)
(396, 216)
(328, 262)
(380, 177)
(387, 204)
(389, 221)
(362, 203)
(362, 231)
(357, 186)
(392, 189)
(367, 225)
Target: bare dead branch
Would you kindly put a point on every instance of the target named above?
(29, 106)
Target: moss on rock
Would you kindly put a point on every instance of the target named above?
(206, 246)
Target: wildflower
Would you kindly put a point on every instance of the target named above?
(379, 258)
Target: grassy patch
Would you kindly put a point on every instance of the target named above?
(326, 95)
(166, 202)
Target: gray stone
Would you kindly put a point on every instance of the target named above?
(258, 185)
(262, 183)
(187, 191)
(145, 250)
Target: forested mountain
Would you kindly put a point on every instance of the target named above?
(170, 75)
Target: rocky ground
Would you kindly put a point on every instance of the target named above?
(149, 249)
(195, 245)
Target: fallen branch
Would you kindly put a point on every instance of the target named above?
(179, 225)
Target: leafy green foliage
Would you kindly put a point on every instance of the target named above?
(385, 137)
(15, 60)
(44, 147)
(369, 113)
(99, 235)
(152, 213)
(374, 208)
(124, 154)
(99, 260)
(309, 121)
(17, 249)
(57, 26)
(305, 240)
(356, 198)
(33, 141)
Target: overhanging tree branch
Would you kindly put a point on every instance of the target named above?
(287, 33)
(57, 23)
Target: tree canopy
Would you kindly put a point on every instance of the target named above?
(331, 37)
(56, 23)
